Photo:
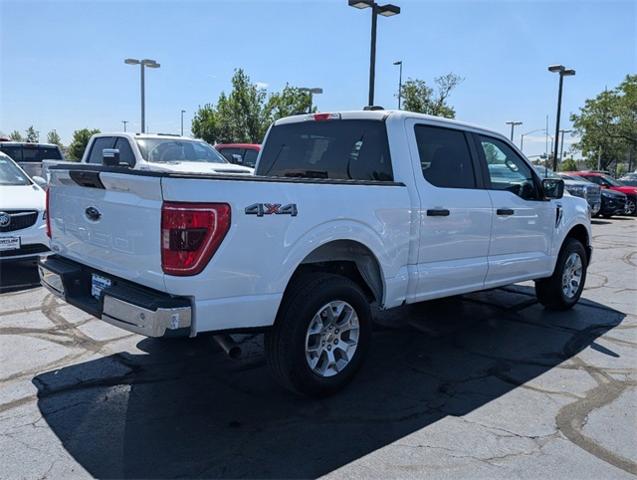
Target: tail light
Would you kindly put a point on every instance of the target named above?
(191, 234)
(47, 214)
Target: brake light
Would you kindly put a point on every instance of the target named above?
(47, 214)
(321, 117)
(191, 234)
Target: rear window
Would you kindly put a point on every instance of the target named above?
(336, 149)
(32, 153)
(14, 151)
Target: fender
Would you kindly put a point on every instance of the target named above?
(575, 212)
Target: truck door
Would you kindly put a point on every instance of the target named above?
(523, 222)
(455, 212)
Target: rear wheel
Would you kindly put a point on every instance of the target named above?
(630, 207)
(563, 289)
(321, 334)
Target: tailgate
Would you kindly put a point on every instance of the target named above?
(108, 221)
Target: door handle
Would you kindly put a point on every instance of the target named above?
(505, 211)
(438, 212)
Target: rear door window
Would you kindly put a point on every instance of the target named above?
(100, 144)
(445, 157)
(334, 149)
(250, 157)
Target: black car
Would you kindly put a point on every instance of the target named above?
(613, 203)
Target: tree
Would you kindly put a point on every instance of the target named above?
(15, 136)
(568, 165)
(607, 125)
(79, 142)
(290, 101)
(53, 137)
(31, 135)
(419, 97)
(245, 114)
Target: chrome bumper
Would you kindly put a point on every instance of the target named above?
(158, 322)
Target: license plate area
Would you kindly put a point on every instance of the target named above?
(9, 243)
(99, 283)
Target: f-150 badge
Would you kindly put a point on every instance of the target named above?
(261, 209)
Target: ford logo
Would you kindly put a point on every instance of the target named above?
(5, 219)
(92, 213)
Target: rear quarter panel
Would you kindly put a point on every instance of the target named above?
(248, 274)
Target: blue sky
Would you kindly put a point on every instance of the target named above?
(61, 62)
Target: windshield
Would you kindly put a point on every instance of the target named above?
(10, 174)
(178, 150)
(602, 180)
(612, 181)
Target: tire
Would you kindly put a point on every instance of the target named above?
(289, 341)
(630, 209)
(550, 291)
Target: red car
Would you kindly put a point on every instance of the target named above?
(606, 181)
(240, 153)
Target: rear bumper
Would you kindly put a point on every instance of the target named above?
(124, 304)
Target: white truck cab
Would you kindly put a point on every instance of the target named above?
(345, 209)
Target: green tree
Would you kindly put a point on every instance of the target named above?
(31, 135)
(15, 136)
(607, 125)
(290, 101)
(568, 165)
(54, 137)
(79, 142)
(420, 97)
(245, 114)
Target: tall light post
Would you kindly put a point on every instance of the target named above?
(564, 72)
(143, 63)
(513, 125)
(400, 81)
(528, 133)
(387, 10)
(311, 91)
(124, 122)
(182, 122)
(562, 143)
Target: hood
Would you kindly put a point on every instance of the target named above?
(21, 197)
(200, 167)
(625, 189)
(613, 193)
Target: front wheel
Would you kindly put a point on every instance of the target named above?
(563, 289)
(320, 336)
(630, 207)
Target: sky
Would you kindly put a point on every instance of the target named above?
(62, 62)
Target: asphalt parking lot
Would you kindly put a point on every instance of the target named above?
(487, 385)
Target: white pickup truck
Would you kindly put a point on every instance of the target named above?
(345, 209)
(156, 152)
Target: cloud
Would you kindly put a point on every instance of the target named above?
(262, 85)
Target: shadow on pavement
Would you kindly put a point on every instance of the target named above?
(16, 276)
(183, 409)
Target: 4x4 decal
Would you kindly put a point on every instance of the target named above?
(261, 209)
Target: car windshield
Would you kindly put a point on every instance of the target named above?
(10, 174)
(178, 150)
(612, 181)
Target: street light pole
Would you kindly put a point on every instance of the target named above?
(386, 11)
(182, 122)
(528, 133)
(563, 72)
(400, 81)
(124, 122)
(142, 63)
(311, 92)
(562, 143)
(513, 125)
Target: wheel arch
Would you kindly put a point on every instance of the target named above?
(580, 233)
(349, 258)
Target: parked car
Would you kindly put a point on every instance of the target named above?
(156, 152)
(630, 179)
(30, 155)
(22, 214)
(578, 187)
(613, 203)
(607, 182)
(346, 209)
(240, 153)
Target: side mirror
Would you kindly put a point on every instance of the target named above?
(41, 182)
(553, 188)
(110, 157)
(237, 158)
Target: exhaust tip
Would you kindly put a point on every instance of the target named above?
(228, 345)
